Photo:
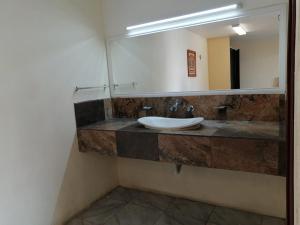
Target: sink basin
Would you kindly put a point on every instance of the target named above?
(163, 123)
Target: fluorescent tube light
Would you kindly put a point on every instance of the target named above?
(176, 22)
(239, 30)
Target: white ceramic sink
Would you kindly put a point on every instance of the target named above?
(163, 123)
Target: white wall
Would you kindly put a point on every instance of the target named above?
(259, 60)
(87, 178)
(247, 191)
(158, 63)
(47, 47)
(119, 14)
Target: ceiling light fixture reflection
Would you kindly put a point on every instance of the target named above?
(239, 30)
(177, 22)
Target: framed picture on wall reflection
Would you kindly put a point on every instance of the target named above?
(191, 61)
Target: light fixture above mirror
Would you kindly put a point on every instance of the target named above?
(183, 21)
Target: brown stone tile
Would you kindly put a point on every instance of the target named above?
(103, 142)
(208, 128)
(110, 125)
(234, 145)
(187, 150)
(126, 107)
(247, 129)
(205, 106)
(89, 112)
(253, 107)
(239, 107)
(137, 145)
(257, 156)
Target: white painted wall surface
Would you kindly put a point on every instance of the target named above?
(158, 63)
(259, 60)
(47, 47)
(87, 178)
(247, 191)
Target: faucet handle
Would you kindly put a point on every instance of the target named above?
(147, 108)
(173, 108)
(178, 101)
(190, 108)
(223, 107)
(176, 105)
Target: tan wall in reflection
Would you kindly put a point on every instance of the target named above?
(259, 57)
(219, 63)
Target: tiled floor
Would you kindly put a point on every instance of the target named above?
(131, 207)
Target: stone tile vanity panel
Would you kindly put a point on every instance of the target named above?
(214, 128)
(253, 107)
(259, 156)
(239, 107)
(89, 112)
(133, 207)
(249, 139)
(110, 125)
(103, 142)
(137, 145)
(233, 145)
(188, 150)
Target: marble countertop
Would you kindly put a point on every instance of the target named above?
(209, 128)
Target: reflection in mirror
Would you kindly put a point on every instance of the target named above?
(239, 53)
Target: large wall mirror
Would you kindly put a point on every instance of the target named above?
(244, 51)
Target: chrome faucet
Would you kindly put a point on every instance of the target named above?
(175, 106)
(147, 108)
(190, 109)
(145, 111)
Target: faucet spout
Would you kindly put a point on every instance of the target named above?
(175, 106)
